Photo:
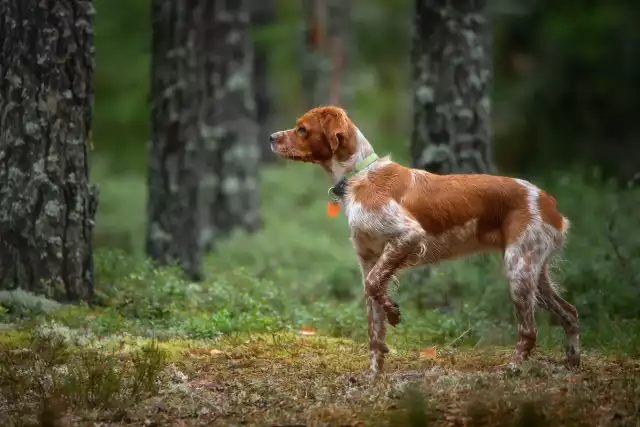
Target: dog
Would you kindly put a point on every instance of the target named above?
(401, 217)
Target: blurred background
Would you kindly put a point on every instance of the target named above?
(564, 114)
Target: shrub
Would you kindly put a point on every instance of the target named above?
(53, 374)
(22, 304)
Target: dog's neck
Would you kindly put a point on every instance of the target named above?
(338, 169)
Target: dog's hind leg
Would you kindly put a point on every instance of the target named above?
(565, 312)
(522, 266)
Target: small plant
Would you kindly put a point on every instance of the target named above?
(110, 380)
(54, 375)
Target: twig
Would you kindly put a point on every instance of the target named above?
(462, 335)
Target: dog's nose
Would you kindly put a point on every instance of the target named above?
(273, 138)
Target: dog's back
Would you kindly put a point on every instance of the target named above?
(458, 214)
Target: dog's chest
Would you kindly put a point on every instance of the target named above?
(370, 228)
(384, 221)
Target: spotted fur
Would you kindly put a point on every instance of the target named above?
(401, 217)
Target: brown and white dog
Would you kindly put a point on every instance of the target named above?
(401, 217)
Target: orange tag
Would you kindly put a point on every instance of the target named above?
(333, 209)
(307, 330)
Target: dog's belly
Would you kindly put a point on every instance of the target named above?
(454, 243)
(434, 249)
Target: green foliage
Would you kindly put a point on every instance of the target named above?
(562, 74)
(123, 40)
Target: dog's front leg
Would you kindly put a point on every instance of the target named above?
(395, 253)
(377, 317)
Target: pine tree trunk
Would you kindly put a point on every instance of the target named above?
(231, 121)
(328, 43)
(263, 14)
(47, 206)
(176, 152)
(203, 154)
(452, 74)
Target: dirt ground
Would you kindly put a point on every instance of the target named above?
(290, 380)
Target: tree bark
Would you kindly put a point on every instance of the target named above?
(203, 154)
(263, 14)
(452, 75)
(176, 161)
(47, 205)
(328, 43)
(229, 121)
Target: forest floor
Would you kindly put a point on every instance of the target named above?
(292, 379)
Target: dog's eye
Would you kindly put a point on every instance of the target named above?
(301, 129)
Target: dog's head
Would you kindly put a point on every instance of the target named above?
(320, 135)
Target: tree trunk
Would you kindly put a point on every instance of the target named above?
(263, 14)
(47, 206)
(176, 207)
(328, 43)
(231, 121)
(452, 73)
(203, 154)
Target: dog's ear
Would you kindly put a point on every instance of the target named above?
(335, 126)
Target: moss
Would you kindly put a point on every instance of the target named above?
(14, 339)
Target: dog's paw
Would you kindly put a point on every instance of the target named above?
(572, 357)
(572, 362)
(393, 313)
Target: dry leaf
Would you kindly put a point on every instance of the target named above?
(214, 351)
(428, 353)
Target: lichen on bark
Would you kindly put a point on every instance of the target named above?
(263, 15)
(47, 205)
(203, 130)
(452, 76)
(236, 155)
